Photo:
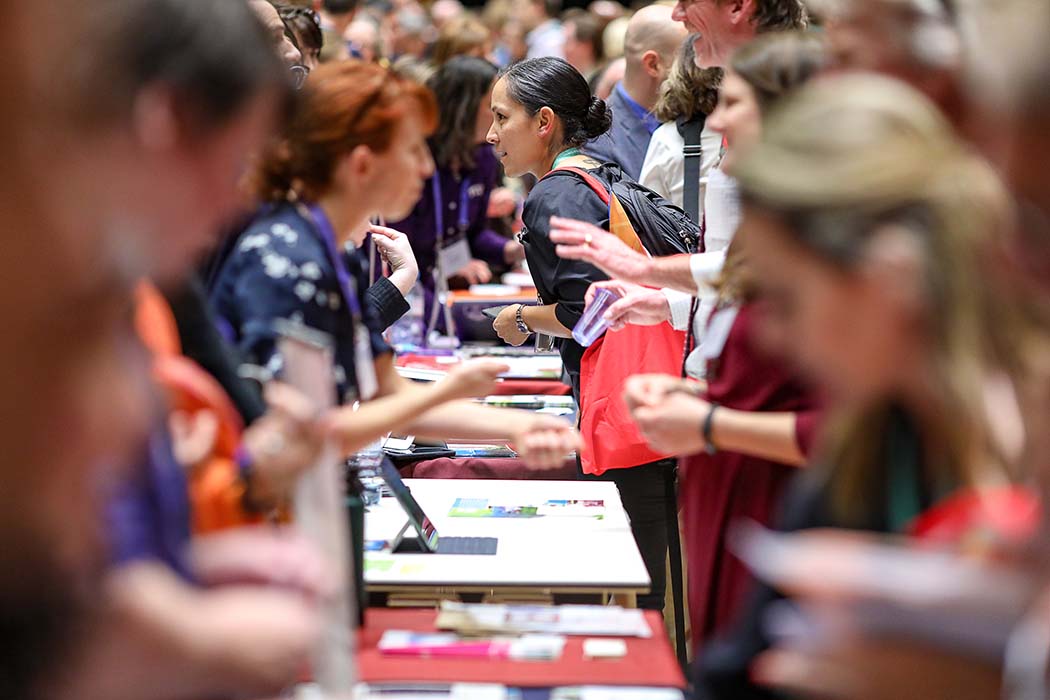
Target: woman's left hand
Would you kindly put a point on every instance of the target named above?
(674, 425)
(502, 202)
(396, 251)
(506, 326)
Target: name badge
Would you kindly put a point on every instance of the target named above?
(454, 256)
(717, 333)
(364, 364)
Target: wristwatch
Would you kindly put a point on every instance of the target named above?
(709, 445)
(521, 321)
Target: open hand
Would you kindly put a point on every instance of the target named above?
(578, 240)
(545, 442)
(473, 379)
(261, 555)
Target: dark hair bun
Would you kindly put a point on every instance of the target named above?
(598, 119)
(551, 82)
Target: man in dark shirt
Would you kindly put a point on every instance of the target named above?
(652, 39)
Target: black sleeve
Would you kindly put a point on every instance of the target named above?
(559, 281)
(385, 303)
(202, 343)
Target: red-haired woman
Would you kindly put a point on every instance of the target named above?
(355, 148)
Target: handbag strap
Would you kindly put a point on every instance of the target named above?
(594, 183)
(691, 132)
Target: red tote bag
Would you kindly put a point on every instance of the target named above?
(611, 438)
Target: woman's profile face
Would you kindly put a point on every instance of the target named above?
(841, 328)
(514, 135)
(737, 117)
(403, 168)
(483, 121)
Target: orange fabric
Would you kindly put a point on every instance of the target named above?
(155, 322)
(215, 488)
(620, 226)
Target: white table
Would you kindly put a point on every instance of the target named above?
(547, 555)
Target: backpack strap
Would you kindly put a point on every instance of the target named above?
(691, 132)
(594, 183)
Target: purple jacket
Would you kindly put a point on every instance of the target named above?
(473, 188)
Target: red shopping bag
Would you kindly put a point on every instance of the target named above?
(611, 438)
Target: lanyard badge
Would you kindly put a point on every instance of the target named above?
(364, 362)
(453, 253)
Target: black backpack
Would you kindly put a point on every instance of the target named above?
(664, 229)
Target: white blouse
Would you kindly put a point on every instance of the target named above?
(722, 203)
(664, 168)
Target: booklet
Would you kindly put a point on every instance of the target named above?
(485, 508)
(529, 647)
(584, 620)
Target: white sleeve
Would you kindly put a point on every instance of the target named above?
(706, 267)
(680, 304)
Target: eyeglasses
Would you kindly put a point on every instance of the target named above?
(299, 75)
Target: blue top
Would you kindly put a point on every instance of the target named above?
(628, 140)
(281, 268)
(457, 203)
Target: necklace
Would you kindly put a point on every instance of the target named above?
(565, 155)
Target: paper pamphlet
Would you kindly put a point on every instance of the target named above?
(530, 647)
(320, 514)
(585, 620)
(485, 508)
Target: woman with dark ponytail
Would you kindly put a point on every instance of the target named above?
(543, 112)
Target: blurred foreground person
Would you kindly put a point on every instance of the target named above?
(866, 242)
(915, 41)
(170, 116)
(70, 419)
(1012, 104)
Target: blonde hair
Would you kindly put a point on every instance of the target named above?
(840, 160)
(463, 36)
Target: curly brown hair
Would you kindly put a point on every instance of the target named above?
(780, 15)
(688, 90)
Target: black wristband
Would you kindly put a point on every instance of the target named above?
(709, 445)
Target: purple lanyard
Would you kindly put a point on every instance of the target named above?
(346, 284)
(439, 206)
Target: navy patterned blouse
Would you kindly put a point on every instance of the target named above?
(280, 268)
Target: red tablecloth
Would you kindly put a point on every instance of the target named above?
(477, 468)
(507, 387)
(649, 662)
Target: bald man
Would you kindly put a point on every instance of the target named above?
(653, 37)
